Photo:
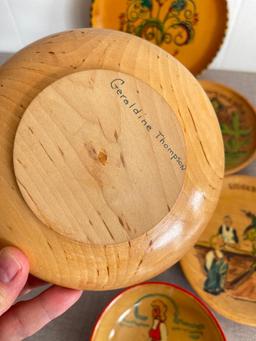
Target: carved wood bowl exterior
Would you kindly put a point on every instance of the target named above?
(111, 158)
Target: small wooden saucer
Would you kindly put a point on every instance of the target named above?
(157, 311)
(222, 265)
(114, 177)
(237, 119)
(191, 30)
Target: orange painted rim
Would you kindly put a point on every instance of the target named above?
(201, 42)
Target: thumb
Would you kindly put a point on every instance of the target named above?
(14, 269)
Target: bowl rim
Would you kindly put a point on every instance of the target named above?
(203, 305)
(208, 82)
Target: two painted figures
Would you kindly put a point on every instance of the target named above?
(229, 259)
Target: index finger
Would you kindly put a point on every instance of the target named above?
(26, 318)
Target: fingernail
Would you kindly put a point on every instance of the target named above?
(9, 266)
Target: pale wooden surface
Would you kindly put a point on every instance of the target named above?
(86, 164)
(77, 323)
(61, 259)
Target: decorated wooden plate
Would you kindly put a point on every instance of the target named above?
(222, 265)
(157, 311)
(237, 119)
(107, 175)
(191, 30)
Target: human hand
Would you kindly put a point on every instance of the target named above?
(21, 320)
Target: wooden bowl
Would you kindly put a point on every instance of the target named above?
(114, 177)
(222, 265)
(192, 31)
(157, 311)
(237, 119)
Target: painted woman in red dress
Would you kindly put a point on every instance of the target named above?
(158, 331)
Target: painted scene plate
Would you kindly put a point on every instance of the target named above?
(157, 312)
(222, 265)
(237, 119)
(191, 30)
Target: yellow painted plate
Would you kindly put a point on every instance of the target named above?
(222, 265)
(191, 30)
(237, 119)
(157, 312)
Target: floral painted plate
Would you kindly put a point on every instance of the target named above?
(157, 312)
(237, 119)
(191, 30)
(222, 265)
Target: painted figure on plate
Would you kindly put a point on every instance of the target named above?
(159, 317)
(229, 258)
(228, 232)
(158, 331)
(216, 267)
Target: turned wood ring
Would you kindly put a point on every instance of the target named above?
(109, 173)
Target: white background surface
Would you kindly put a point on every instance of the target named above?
(23, 21)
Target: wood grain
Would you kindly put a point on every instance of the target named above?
(72, 261)
(92, 165)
